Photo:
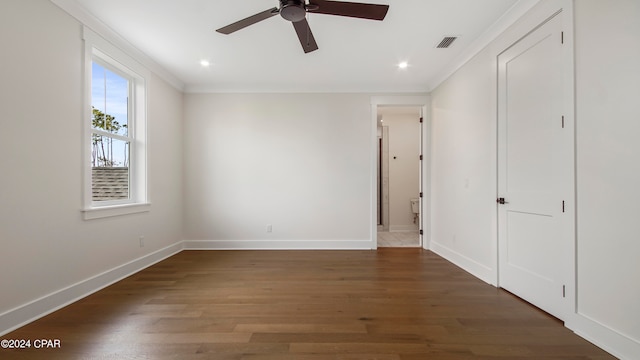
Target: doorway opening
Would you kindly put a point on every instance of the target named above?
(399, 175)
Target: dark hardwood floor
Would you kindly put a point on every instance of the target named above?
(302, 305)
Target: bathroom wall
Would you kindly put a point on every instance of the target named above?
(404, 167)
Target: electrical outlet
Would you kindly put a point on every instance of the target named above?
(141, 238)
(269, 228)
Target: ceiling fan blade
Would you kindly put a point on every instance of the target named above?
(248, 21)
(305, 36)
(350, 9)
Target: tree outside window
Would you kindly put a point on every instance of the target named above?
(102, 147)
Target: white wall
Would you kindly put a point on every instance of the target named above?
(463, 168)
(608, 164)
(46, 247)
(300, 162)
(404, 168)
(607, 51)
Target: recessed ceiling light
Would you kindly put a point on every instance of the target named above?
(205, 63)
(403, 65)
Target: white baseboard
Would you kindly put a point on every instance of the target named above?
(278, 245)
(611, 341)
(403, 228)
(47, 304)
(471, 266)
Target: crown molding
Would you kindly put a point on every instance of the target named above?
(505, 21)
(74, 9)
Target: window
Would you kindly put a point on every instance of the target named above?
(110, 138)
(115, 136)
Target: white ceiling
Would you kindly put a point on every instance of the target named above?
(354, 55)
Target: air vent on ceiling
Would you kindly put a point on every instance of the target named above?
(446, 42)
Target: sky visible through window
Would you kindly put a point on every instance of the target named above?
(109, 96)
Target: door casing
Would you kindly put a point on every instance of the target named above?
(424, 103)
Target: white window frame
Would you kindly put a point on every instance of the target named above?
(104, 53)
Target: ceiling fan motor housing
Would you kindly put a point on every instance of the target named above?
(293, 10)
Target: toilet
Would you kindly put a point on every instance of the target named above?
(415, 209)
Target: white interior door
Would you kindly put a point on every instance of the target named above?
(534, 158)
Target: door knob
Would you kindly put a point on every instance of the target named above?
(501, 201)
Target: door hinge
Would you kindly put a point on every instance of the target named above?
(420, 194)
(564, 292)
(421, 233)
(563, 121)
(562, 205)
(421, 120)
(561, 37)
(420, 157)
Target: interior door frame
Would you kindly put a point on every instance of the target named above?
(383, 169)
(537, 17)
(424, 102)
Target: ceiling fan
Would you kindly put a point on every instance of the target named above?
(296, 11)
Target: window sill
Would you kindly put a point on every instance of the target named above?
(115, 210)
